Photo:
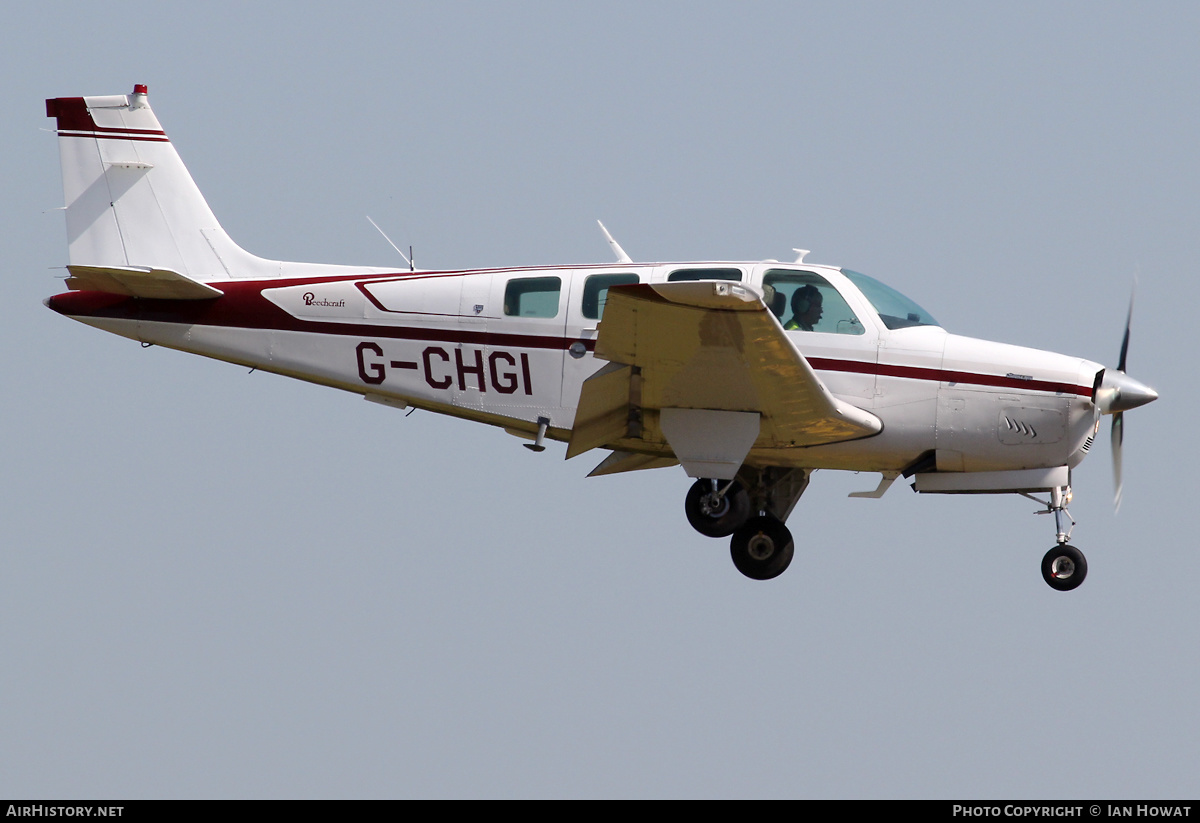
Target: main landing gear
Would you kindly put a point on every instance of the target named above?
(716, 508)
(752, 509)
(1064, 567)
(762, 548)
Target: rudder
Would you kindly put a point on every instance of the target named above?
(131, 201)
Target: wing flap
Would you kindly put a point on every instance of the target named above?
(604, 409)
(706, 345)
(139, 281)
(620, 461)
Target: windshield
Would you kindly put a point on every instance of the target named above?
(895, 310)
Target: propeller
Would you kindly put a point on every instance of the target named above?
(1118, 393)
(1118, 421)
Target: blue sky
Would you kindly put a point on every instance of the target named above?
(232, 585)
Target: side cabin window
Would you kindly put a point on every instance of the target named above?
(595, 292)
(705, 274)
(804, 301)
(532, 296)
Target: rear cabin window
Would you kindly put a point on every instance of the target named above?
(595, 292)
(705, 274)
(532, 297)
(804, 301)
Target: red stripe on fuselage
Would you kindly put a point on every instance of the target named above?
(243, 306)
(945, 376)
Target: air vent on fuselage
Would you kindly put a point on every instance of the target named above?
(1023, 425)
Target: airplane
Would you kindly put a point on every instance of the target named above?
(750, 375)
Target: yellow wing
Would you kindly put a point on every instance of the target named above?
(706, 369)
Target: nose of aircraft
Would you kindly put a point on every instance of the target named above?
(1119, 392)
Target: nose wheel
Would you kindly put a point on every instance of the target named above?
(1064, 567)
(762, 548)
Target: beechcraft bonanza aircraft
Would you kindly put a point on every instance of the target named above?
(750, 375)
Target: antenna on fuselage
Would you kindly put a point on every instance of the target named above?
(408, 259)
(800, 254)
(622, 257)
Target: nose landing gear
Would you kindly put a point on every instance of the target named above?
(1064, 567)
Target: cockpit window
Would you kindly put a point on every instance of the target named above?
(804, 301)
(895, 310)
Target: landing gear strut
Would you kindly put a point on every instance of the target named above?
(1064, 567)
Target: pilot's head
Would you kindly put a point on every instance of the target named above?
(806, 305)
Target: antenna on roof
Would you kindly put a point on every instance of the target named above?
(407, 260)
(800, 254)
(622, 257)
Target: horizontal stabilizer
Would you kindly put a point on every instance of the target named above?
(138, 281)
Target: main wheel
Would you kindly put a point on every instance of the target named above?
(762, 548)
(713, 514)
(1064, 567)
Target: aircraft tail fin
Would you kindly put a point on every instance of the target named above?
(130, 200)
(132, 205)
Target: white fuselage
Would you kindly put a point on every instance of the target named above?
(449, 342)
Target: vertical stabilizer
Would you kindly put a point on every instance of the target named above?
(130, 200)
(132, 203)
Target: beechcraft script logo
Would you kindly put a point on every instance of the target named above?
(310, 299)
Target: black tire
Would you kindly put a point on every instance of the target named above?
(720, 520)
(762, 548)
(1064, 568)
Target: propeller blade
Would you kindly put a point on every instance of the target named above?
(1121, 393)
(1118, 437)
(1128, 320)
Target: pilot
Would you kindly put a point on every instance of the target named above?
(806, 308)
